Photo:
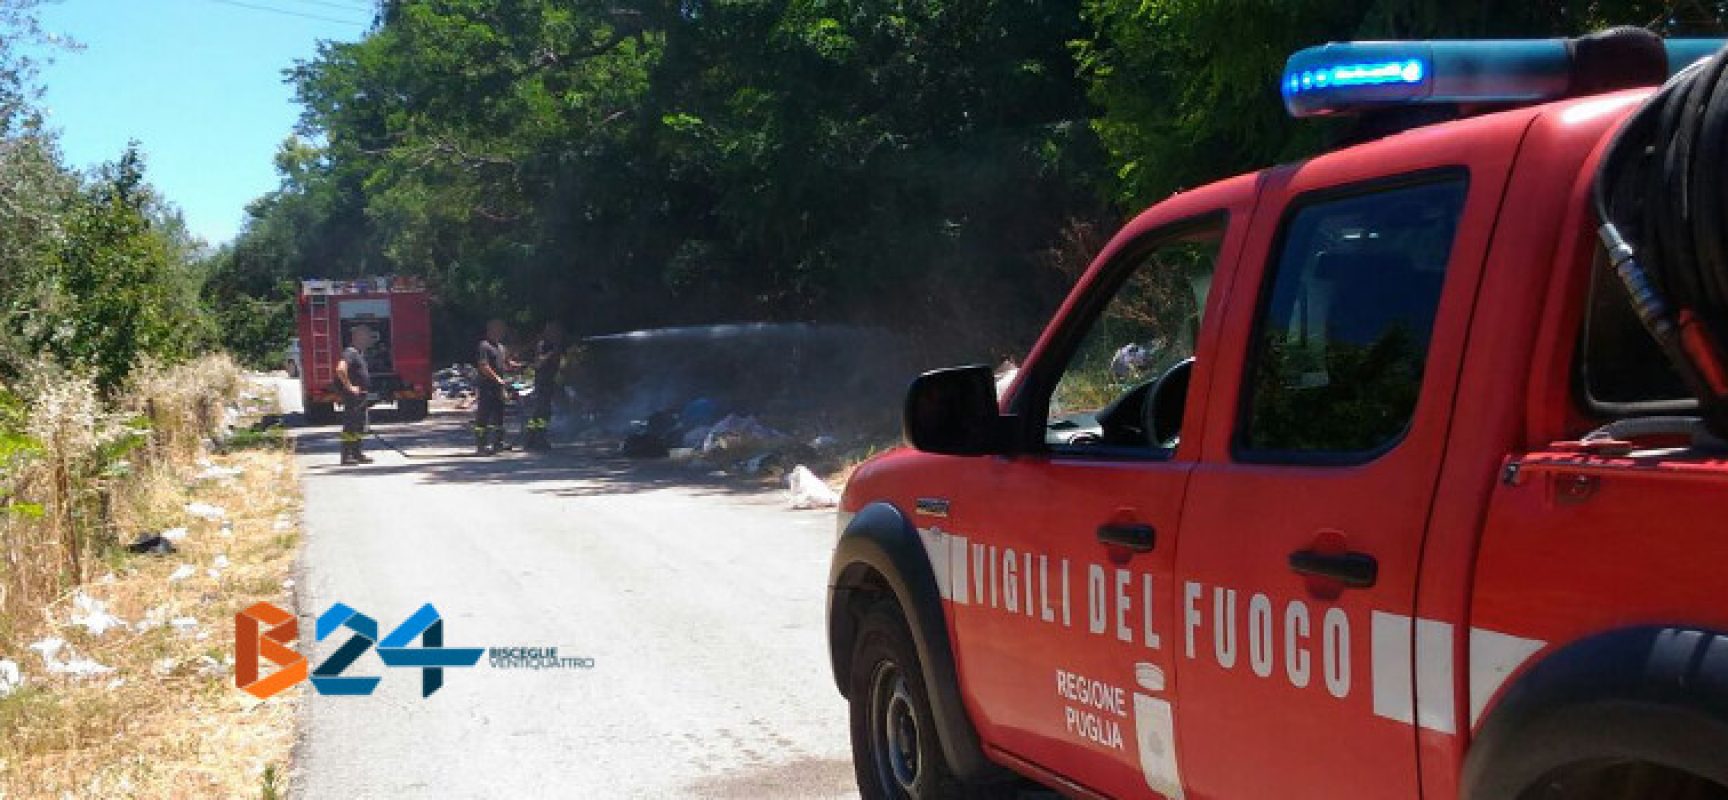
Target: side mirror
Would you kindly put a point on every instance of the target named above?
(955, 412)
(1168, 404)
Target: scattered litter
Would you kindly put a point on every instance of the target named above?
(184, 625)
(288, 584)
(218, 473)
(10, 677)
(175, 534)
(209, 666)
(81, 668)
(216, 567)
(283, 523)
(116, 683)
(221, 561)
(107, 577)
(206, 511)
(164, 667)
(50, 648)
(823, 442)
(227, 528)
(181, 573)
(156, 617)
(92, 615)
(805, 490)
(152, 544)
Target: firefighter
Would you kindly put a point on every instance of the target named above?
(490, 363)
(355, 380)
(548, 360)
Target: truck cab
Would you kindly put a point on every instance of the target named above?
(1297, 496)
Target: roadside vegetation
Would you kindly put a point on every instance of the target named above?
(117, 424)
(116, 666)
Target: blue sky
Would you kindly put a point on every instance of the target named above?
(197, 82)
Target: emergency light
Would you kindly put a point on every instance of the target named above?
(1349, 77)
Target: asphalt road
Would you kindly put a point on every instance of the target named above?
(700, 603)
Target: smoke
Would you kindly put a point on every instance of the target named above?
(796, 376)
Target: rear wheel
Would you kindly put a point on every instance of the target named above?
(411, 410)
(895, 749)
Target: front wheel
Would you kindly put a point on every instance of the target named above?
(895, 749)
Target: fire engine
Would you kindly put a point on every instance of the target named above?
(1415, 486)
(397, 309)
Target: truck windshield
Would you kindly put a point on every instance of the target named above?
(1148, 327)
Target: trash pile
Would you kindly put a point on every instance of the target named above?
(697, 433)
(453, 382)
(693, 431)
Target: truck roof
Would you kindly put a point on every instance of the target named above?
(383, 284)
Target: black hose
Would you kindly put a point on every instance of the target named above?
(1659, 195)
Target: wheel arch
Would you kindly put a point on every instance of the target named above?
(1656, 694)
(879, 554)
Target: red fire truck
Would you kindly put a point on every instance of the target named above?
(1415, 485)
(396, 308)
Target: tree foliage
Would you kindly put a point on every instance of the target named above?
(645, 163)
(97, 270)
(1188, 93)
(911, 163)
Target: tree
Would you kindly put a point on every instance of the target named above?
(1189, 88)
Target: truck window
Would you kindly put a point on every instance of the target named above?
(1343, 329)
(1149, 326)
(1622, 371)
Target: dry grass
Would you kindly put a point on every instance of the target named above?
(168, 722)
(184, 403)
(88, 461)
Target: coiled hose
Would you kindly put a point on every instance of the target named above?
(1662, 201)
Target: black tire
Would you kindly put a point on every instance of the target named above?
(1609, 779)
(1625, 715)
(411, 410)
(895, 748)
(321, 413)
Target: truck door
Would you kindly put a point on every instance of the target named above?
(1295, 648)
(1060, 560)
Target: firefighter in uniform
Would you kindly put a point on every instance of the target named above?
(490, 364)
(548, 359)
(355, 380)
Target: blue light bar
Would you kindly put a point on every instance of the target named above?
(1341, 78)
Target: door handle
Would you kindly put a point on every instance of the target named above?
(1133, 536)
(1355, 570)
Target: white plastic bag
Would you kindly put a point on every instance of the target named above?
(805, 490)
